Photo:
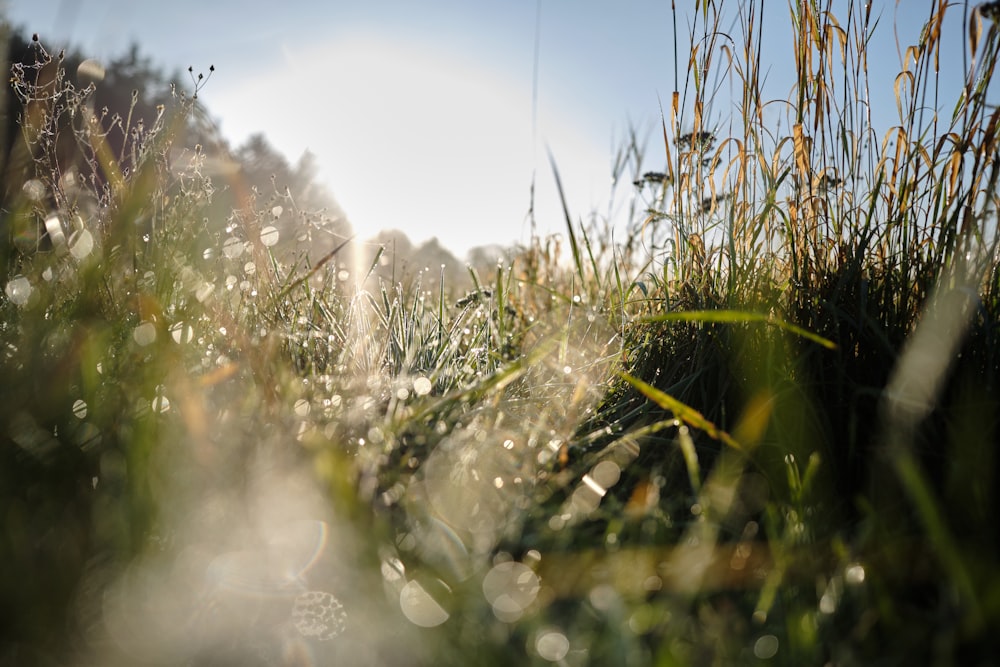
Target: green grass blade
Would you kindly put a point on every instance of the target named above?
(574, 246)
(681, 411)
(737, 317)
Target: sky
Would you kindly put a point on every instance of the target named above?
(422, 114)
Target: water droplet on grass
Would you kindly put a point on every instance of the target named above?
(766, 647)
(552, 645)
(18, 290)
(80, 409)
(606, 474)
(53, 225)
(419, 607)
(233, 247)
(510, 588)
(34, 190)
(422, 386)
(269, 235)
(81, 244)
(854, 574)
(181, 332)
(144, 334)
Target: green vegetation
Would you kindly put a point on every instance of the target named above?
(761, 429)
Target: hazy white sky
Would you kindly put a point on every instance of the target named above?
(420, 111)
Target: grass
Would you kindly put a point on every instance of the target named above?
(760, 429)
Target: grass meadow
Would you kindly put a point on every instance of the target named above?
(757, 424)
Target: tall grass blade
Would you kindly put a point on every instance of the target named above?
(739, 317)
(573, 245)
(681, 411)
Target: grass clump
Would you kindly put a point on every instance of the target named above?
(760, 428)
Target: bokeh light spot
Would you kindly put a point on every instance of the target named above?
(18, 290)
(269, 235)
(419, 607)
(511, 588)
(421, 386)
(232, 248)
(766, 647)
(81, 244)
(552, 645)
(144, 334)
(318, 615)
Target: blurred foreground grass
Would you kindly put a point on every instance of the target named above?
(759, 429)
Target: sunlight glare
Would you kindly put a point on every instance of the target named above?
(417, 139)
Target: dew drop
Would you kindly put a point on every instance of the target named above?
(510, 588)
(422, 386)
(269, 235)
(18, 290)
(766, 647)
(606, 474)
(80, 409)
(552, 645)
(854, 574)
(419, 607)
(232, 248)
(181, 332)
(81, 244)
(54, 228)
(144, 334)
(34, 190)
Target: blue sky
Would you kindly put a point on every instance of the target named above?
(420, 112)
